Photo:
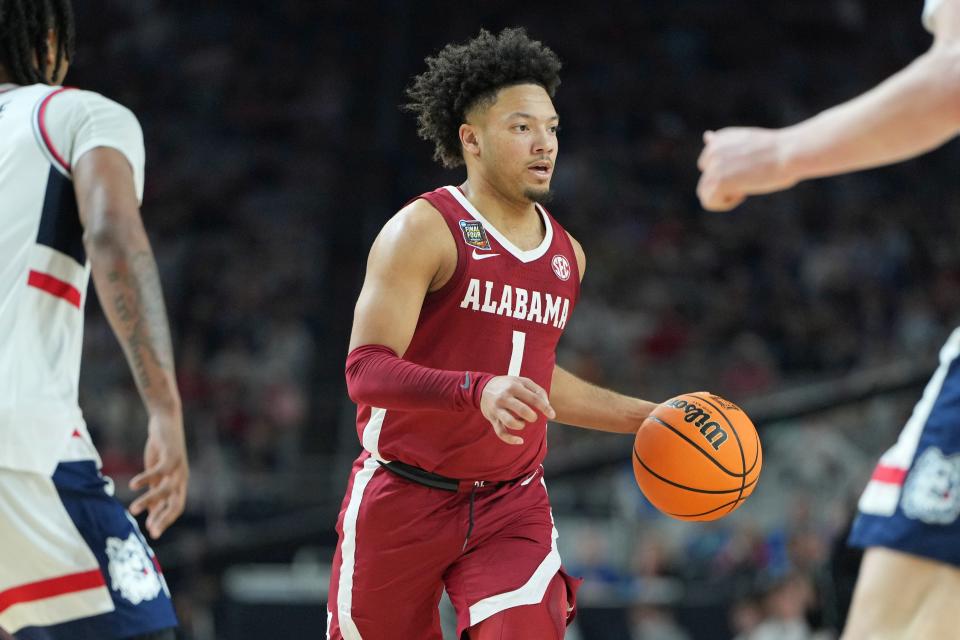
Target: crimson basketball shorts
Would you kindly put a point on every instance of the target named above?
(912, 502)
(73, 563)
(401, 543)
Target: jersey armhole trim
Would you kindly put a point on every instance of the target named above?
(43, 136)
(459, 271)
(576, 263)
(568, 240)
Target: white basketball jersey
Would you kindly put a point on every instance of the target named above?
(930, 13)
(43, 266)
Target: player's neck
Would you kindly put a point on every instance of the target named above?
(499, 208)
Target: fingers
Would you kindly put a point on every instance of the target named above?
(714, 198)
(500, 429)
(536, 397)
(167, 513)
(153, 497)
(520, 409)
(148, 477)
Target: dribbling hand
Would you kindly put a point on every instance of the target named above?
(166, 474)
(738, 162)
(510, 402)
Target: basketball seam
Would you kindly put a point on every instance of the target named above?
(743, 459)
(696, 446)
(695, 515)
(756, 436)
(681, 486)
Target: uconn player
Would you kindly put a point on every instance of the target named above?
(452, 365)
(908, 518)
(73, 564)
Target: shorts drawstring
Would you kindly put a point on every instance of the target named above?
(473, 493)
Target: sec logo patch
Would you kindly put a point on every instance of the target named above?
(561, 267)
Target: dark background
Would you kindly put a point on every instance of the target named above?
(276, 149)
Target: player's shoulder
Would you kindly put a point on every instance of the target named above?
(418, 220)
(414, 237)
(87, 102)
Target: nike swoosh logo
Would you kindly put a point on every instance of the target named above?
(466, 382)
(483, 256)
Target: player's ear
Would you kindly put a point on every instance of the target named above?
(469, 139)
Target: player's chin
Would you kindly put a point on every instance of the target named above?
(541, 195)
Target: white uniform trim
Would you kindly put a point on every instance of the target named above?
(348, 550)
(56, 610)
(521, 255)
(46, 545)
(371, 432)
(531, 592)
(881, 497)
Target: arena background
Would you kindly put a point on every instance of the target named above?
(276, 150)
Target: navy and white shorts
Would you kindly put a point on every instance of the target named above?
(73, 563)
(912, 502)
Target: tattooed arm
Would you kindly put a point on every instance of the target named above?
(128, 285)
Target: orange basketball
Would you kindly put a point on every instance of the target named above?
(697, 457)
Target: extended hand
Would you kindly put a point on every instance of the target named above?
(510, 402)
(738, 162)
(166, 473)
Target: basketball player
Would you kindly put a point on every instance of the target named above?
(451, 364)
(908, 514)
(73, 563)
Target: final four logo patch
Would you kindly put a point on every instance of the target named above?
(474, 234)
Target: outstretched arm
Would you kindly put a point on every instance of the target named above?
(914, 111)
(581, 404)
(128, 284)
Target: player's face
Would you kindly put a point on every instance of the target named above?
(518, 135)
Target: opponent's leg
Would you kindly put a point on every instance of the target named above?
(901, 596)
(546, 620)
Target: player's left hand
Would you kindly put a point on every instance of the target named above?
(738, 162)
(166, 473)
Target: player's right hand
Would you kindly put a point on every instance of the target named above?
(510, 402)
(737, 162)
(166, 473)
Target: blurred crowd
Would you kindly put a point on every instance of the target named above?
(276, 150)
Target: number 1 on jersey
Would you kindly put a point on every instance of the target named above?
(516, 357)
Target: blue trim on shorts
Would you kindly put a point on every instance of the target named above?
(940, 542)
(99, 516)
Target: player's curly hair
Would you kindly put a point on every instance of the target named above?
(23, 37)
(463, 75)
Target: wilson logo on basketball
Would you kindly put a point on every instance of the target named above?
(561, 267)
(710, 429)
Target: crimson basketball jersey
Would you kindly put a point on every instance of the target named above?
(502, 312)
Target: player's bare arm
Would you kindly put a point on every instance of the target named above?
(914, 111)
(413, 255)
(581, 404)
(128, 285)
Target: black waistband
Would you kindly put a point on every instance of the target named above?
(418, 475)
(435, 481)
